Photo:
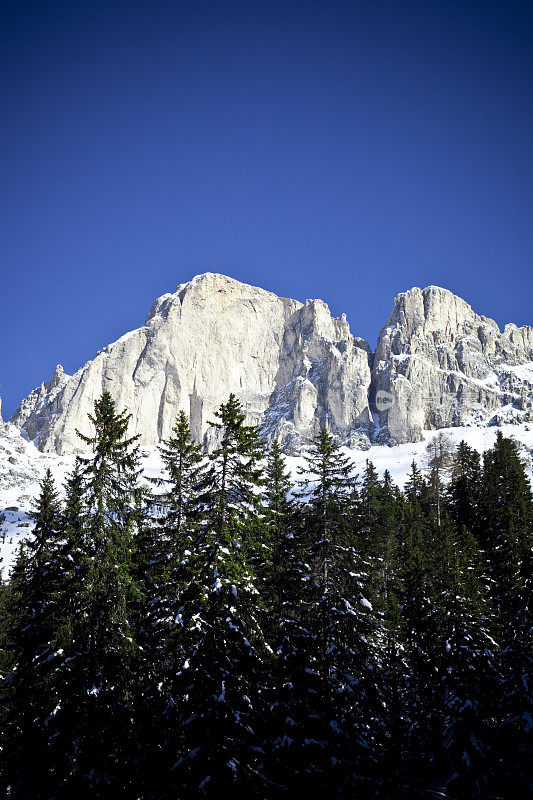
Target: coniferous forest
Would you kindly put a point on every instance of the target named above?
(225, 631)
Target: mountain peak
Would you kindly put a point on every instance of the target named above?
(295, 369)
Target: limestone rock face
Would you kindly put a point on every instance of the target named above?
(293, 367)
(439, 364)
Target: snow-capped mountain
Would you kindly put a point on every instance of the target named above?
(442, 365)
(295, 369)
(291, 365)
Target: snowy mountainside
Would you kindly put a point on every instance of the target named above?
(440, 364)
(22, 466)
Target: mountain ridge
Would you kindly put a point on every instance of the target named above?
(295, 368)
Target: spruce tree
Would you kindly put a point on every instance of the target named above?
(379, 523)
(279, 513)
(163, 564)
(173, 527)
(439, 454)
(99, 655)
(467, 663)
(221, 651)
(235, 474)
(277, 491)
(32, 693)
(415, 484)
(185, 478)
(5, 653)
(415, 582)
(507, 531)
(464, 488)
(325, 647)
(390, 774)
(378, 520)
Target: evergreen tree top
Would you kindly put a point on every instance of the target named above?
(110, 428)
(328, 470)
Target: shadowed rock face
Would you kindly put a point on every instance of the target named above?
(295, 369)
(442, 365)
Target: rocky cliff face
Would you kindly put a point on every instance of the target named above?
(293, 367)
(439, 364)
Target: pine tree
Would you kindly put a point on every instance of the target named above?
(378, 520)
(415, 586)
(379, 523)
(32, 694)
(296, 729)
(464, 488)
(277, 491)
(415, 485)
(287, 724)
(390, 775)
(172, 531)
(439, 452)
(163, 563)
(99, 651)
(278, 523)
(467, 663)
(507, 531)
(74, 545)
(506, 511)
(235, 474)
(5, 623)
(324, 650)
(185, 469)
(221, 652)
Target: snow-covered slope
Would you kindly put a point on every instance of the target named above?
(22, 466)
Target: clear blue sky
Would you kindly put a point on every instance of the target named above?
(342, 150)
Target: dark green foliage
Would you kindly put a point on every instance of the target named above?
(439, 455)
(184, 499)
(220, 659)
(467, 660)
(323, 652)
(276, 546)
(415, 485)
(228, 636)
(101, 646)
(464, 489)
(507, 512)
(32, 692)
(165, 569)
(221, 651)
(5, 623)
(276, 492)
(234, 474)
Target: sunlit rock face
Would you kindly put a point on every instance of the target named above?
(439, 364)
(293, 367)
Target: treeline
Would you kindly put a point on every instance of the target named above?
(228, 633)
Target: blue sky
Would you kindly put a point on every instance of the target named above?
(346, 151)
